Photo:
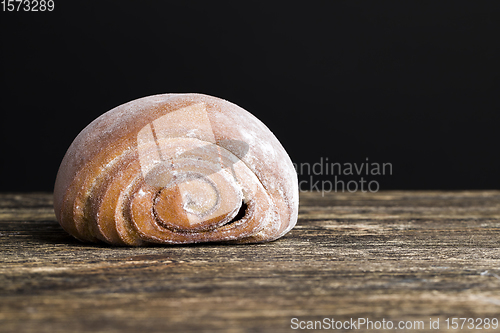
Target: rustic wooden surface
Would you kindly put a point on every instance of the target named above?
(407, 256)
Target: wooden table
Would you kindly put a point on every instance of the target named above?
(390, 256)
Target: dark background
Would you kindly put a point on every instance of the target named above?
(411, 83)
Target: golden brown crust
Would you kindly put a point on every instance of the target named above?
(176, 168)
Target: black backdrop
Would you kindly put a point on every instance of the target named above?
(411, 83)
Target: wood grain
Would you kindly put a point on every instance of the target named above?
(407, 256)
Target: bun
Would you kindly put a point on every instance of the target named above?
(174, 169)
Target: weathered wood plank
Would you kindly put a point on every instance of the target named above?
(392, 255)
